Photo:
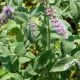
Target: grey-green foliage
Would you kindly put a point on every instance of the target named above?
(24, 58)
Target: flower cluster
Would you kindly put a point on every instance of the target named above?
(50, 11)
(6, 14)
(57, 23)
(33, 28)
(8, 10)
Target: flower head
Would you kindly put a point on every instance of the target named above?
(8, 10)
(33, 28)
(58, 24)
(59, 27)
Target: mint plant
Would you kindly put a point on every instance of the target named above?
(39, 40)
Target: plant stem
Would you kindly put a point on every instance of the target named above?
(48, 37)
(48, 28)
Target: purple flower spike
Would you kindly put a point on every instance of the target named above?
(58, 24)
(8, 9)
(60, 27)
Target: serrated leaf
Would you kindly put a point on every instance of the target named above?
(67, 45)
(15, 64)
(45, 58)
(74, 9)
(2, 72)
(61, 65)
(77, 55)
(30, 55)
(30, 70)
(12, 75)
(20, 18)
(23, 60)
(20, 49)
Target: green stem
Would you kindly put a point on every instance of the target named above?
(21, 26)
(48, 37)
(48, 28)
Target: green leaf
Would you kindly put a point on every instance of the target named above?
(4, 49)
(77, 55)
(9, 25)
(30, 36)
(67, 45)
(30, 70)
(15, 64)
(20, 17)
(6, 61)
(75, 50)
(57, 10)
(13, 46)
(2, 72)
(61, 65)
(20, 49)
(74, 9)
(16, 31)
(51, 1)
(23, 60)
(30, 55)
(45, 58)
(12, 76)
(17, 1)
(36, 10)
(7, 76)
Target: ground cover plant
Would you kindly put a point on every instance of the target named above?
(39, 39)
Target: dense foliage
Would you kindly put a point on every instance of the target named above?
(39, 39)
